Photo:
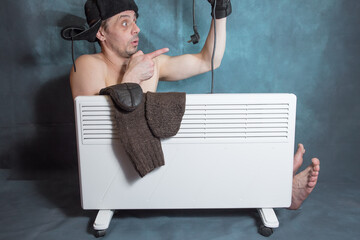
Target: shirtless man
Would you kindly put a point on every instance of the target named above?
(120, 61)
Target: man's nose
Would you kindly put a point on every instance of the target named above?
(136, 29)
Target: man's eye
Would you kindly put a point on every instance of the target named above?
(125, 24)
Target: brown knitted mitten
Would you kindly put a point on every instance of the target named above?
(142, 147)
(164, 112)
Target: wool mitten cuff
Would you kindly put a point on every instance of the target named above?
(126, 96)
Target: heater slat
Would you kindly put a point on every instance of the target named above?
(225, 120)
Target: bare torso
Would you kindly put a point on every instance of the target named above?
(99, 72)
(114, 77)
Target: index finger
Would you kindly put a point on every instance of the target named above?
(157, 52)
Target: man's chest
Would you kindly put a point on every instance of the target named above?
(148, 85)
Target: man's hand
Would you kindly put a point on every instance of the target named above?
(222, 8)
(141, 66)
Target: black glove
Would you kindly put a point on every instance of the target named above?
(222, 9)
(126, 96)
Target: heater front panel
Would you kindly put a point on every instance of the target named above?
(232, 151)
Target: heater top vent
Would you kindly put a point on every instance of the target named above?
(208, 118)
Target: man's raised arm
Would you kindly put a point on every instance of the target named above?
(188, 65)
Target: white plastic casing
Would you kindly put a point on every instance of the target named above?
(232, 151)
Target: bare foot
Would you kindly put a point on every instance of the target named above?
(298, 158)
(303, 183)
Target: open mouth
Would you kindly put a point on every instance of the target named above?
(135, 42)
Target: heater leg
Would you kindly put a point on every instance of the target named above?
(269, 220)
(102, 222)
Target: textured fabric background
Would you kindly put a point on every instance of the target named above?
(310, 48)
(306, 47)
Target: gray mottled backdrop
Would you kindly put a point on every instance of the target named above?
(310, 48)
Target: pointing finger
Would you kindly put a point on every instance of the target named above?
(157, 52)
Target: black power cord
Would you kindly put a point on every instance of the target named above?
(213, 54)
(196, 37)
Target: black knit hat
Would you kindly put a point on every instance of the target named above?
(96, 11)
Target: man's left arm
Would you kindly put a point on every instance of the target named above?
(188, 65)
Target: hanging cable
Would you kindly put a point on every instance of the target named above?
(196, 36)
(73, 54)
(213, 54)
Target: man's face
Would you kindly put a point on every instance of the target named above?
(121, 34)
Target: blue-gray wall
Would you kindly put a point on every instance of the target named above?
(310, 48)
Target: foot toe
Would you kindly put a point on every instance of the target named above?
(315, 161)
(314, 173)
(311, 184)
(313, 179)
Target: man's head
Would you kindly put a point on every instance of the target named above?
(119, 34)
(96, 12)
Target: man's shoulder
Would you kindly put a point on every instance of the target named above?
(89, 77)
(90, 61)
(89, 68)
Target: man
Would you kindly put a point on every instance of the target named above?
(113, 25)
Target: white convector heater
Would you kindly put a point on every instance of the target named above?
(232, 151)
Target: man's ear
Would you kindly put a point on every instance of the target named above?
(100, 34)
